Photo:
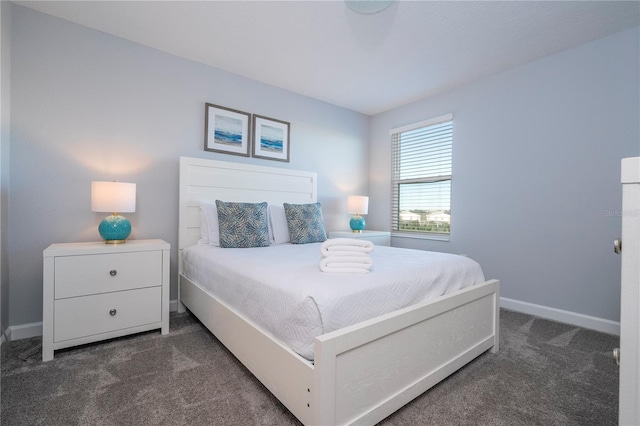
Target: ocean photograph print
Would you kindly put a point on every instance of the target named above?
(226, 130)
(270, 138)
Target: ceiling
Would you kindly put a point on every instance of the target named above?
(366, 63)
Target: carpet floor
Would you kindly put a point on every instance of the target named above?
(546, 373)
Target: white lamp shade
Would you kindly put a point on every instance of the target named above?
(113, 197)
(357, 204)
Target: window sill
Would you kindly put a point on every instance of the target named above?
(421, 236)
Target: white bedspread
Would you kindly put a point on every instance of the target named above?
(282, 289)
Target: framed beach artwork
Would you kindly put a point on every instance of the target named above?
(270, 138)
(226, 130)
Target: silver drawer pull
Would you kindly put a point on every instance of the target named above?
(616, 356)
(113, 272)
(113, 312)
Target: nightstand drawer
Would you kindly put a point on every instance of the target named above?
(89, 315)
(103, 273)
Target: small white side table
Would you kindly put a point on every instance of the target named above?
(379, 238)
(96, 291)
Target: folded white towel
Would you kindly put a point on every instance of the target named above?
(346, 264)
(345, 244)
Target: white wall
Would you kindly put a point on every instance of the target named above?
(536, 173)
(89, 106)
(5, 125)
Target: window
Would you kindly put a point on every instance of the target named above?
(421, 178)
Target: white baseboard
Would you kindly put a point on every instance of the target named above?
(173, 305)
(568, 317)
(24, 331)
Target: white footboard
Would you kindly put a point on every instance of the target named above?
(367, 371)
(364, 372)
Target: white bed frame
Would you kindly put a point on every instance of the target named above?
(361, 373)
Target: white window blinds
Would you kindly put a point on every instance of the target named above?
(421, 177)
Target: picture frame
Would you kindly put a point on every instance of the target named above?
(271, 138)
(227, 130)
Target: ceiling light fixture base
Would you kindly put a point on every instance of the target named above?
(368, 7)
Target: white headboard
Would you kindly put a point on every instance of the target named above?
(210, 180)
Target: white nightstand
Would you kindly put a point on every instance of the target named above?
(97, 291)
(379, 238)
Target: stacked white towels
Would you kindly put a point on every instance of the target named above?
(346, 255)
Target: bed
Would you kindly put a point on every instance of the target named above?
(358, 374)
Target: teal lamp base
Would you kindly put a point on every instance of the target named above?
(357, 223)
(114, 229)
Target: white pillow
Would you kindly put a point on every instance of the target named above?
(204, 228)
(211, 222)
(278, 223)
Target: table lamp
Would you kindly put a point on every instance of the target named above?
(357, 204)
(114, 197)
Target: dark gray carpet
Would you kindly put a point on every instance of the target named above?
(546, 373)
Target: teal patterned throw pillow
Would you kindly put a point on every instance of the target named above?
(305, 223)
(243, 225)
